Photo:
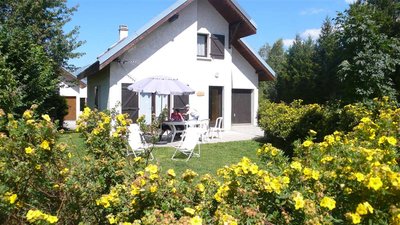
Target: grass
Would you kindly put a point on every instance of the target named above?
(213, 156)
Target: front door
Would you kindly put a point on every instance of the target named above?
(215, 104)
(241, 106)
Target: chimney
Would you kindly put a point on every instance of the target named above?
(123, 31)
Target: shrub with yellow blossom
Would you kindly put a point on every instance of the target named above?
(32, 170)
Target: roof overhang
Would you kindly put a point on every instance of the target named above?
(264, 71)
(234, 15)
(68, 75)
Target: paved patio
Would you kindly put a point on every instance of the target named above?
(237, 133)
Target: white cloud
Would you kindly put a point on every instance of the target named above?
(312, 11)
(350, 1)
(288, 42)
(313, 33)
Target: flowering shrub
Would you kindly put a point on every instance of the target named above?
(350, 178)
(346, 178)
(105, 163)
(34, 170)
(285, 123)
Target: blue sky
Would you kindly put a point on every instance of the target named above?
(99, 20)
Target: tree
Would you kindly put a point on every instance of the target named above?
(298, 79)
(264, 51)
(370, 58)
(276, 59)
(34, 48)
(327, 60)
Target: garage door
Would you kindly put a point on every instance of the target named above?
(241, 106)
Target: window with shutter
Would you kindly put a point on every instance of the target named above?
(129, 102)
(217, 46)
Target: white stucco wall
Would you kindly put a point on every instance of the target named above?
(171, 50)
(245, 77)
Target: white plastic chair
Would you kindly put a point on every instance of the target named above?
(217, 129)
(137, 143)
(205, 127)
(188, 143)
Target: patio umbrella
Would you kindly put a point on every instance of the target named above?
(161, 85)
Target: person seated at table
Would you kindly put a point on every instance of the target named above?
(175, 116)
(191, 114)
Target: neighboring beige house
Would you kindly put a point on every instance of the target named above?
(75, 93)
(199, 43)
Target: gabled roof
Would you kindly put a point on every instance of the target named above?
(241, 23)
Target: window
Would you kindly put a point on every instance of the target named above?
(202, 45)
(217, 46)
(82, 104)
(96, 97)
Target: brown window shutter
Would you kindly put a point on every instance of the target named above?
(217, 46)
(180, 101)
(129, 102)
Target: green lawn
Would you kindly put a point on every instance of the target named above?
(213, 156)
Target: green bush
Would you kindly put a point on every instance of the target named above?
(285, 123)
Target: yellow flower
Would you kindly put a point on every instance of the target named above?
(151, 168)
(196, 221)
(38, 167)
(45, 145)
(359, 176)
(200, 187)
(46, 117)
(111, 219)
(153, 188)
(30, 122)
(51, 219)
(86, 111)
(354, 217)
(12, 198)
(312, 132)
(135, 190)
(315, 175)
(326, 159)
(171, 173)
(391, 140)
(366, 120)
(33, 215)
(29, 150)
(274, 152)
(328, 202)
(329, 139)
(375, 183)
(298, 200)
(27, 114)
(364, 208)
(189, 210)
(296, 165)
(307, 143)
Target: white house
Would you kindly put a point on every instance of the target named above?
(75, 93)
(199, 43)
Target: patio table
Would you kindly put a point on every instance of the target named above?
(186, 124)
